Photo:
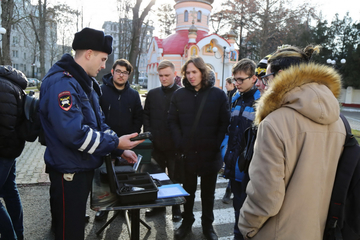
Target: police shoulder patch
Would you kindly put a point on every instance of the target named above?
(67, 74)
(65, 100)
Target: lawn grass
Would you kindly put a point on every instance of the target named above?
(143, 91)
(28, 89)
(356, 134)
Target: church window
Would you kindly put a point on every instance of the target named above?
(199, 16)
(186, 16)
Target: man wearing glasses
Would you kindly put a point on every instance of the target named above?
(242, 116)
(121, 104)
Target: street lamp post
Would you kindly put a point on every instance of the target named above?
(225, 51)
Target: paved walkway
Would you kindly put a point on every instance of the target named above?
(31, 167)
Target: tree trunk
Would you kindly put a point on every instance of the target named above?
(7, 7)
(136, 31)
(42, 36)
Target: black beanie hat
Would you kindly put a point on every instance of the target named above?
(261, 67)
(89, 38)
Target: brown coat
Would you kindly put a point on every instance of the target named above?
(299, 142)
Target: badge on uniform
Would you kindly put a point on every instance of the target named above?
(65, 101)
(67, 74)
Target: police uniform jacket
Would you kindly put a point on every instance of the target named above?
(75, 132)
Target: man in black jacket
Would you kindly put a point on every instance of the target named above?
(12, 84)
(200, 144)
(120, 103)
(156, 109)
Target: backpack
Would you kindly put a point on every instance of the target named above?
(343, 221)
(29, 129)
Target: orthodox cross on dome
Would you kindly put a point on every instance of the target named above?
(193, 13)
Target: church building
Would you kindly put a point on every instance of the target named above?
(192, 38)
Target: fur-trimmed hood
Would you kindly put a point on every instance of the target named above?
(306, 88)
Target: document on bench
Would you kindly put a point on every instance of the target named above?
(160, 176)
(171, 190)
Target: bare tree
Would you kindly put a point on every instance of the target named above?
(142, 48)
(64, 15)
(137, 23)
(166, 18)
(240, 15)
(7, 7)
(218, 21)
(38, 23)
(125, 28)
(262, 25)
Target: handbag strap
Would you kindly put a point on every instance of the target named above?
(197, 118)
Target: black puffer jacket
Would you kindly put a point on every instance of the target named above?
(156, 110)
(230, 94)
(122, 108)
(12, 84)
(203, 151)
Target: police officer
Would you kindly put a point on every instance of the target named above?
(75, 133)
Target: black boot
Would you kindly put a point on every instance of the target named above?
(176, 213)
(226, 199)
(184, 229)
(209, 232)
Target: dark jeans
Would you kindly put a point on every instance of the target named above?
(11, 218)
(239, 197)
(68, 204)
(207, 186)
(165, 160)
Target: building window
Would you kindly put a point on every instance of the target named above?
(15, 53)
(24, 55)
(186, 16)
(199, 16)
(15, 41)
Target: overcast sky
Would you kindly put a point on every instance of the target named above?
(96, 12)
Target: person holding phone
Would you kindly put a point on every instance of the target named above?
(75, 132)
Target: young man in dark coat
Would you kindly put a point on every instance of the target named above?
(242, 116)
(156, 110)
(201, 147)
(120, 103)
(12, 84)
